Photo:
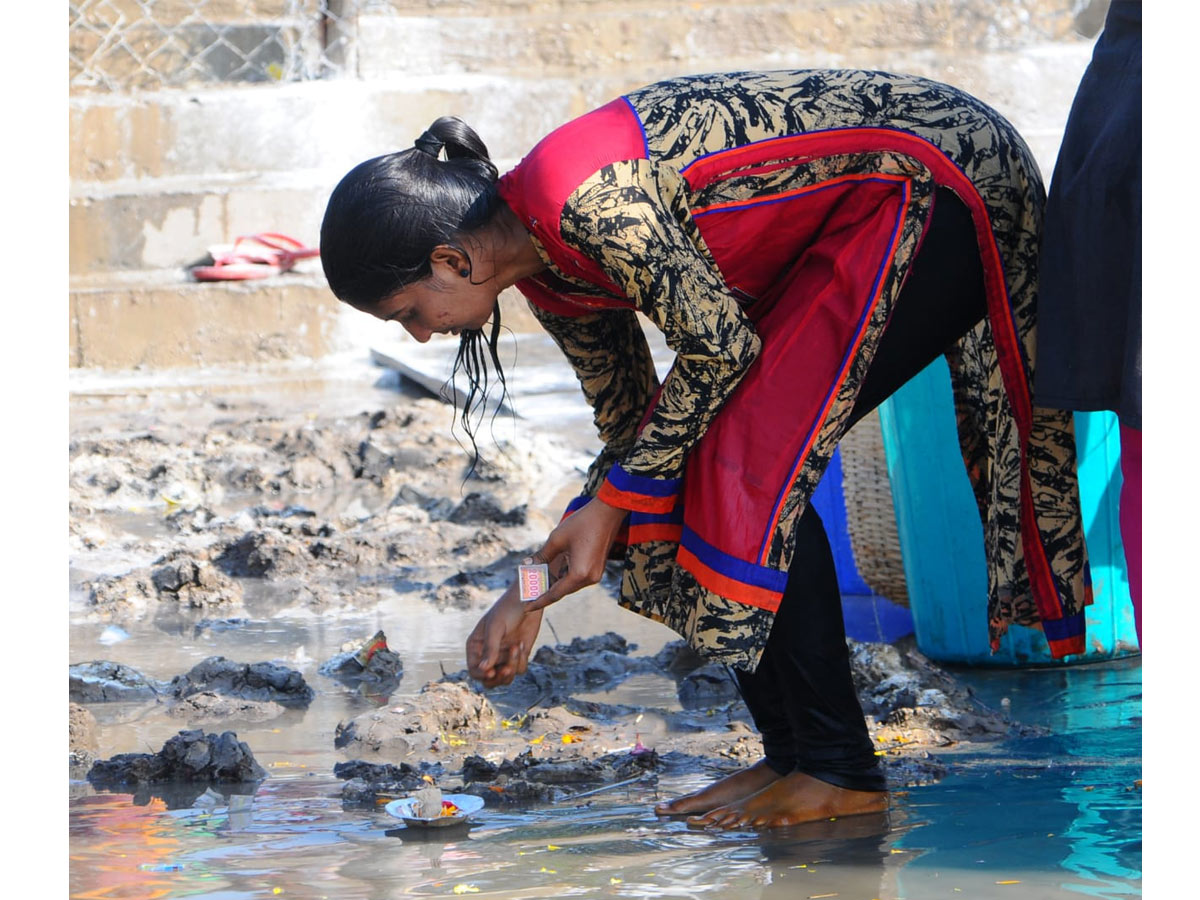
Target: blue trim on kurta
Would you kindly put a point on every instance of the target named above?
(1063, 629)
(674, 517)
(640, 484)
(731, 566)
(577, 504)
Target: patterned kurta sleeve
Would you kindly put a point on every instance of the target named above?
(612, 361)
(632, 218)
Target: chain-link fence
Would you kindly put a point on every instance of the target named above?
(130, 45)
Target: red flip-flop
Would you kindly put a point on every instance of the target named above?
(254, 256)
(235, 271)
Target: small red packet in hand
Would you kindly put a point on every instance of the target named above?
(534, 581)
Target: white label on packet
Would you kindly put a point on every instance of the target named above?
(534, 581)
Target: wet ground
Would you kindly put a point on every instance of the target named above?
(320, 506)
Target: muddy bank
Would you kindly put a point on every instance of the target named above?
(317, 508)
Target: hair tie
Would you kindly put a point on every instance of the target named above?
(428, 143)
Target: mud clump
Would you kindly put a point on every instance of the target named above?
(517, 780)
(908, 699)
(912, 703)
(476, 768)
(263, 554)
(179, 579)
(479, 508)
(417, 727)
(103, 681)
(260, 682)
(369, 784)
(526, 779)
(190, 757)
(555, 673)
(706, 687)
(208, 706)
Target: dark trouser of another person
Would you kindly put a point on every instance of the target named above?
(802, 695)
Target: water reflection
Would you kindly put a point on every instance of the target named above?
(1060, 815)
(977, 831)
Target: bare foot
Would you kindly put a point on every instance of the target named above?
(729, 789)
(790, 800)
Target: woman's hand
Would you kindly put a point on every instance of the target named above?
(579, 547)
(498, 648)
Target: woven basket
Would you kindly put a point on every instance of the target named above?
(870, 516)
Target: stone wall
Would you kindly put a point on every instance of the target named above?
(176, 145)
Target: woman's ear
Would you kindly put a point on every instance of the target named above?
(450, 261)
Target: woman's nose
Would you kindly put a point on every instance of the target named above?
(417, 331)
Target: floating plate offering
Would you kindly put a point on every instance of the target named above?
(461, 806)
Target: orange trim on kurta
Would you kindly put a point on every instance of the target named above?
(726, 586)
(1067, 646)
(634, 502)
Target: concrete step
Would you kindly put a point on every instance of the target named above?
(176, 42)
(134, 45)
(157, 180)
(547, 63)
(170, 223)
(160, 319)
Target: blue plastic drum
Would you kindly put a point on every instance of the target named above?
(941, 538)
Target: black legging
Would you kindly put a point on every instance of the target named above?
(802, 695)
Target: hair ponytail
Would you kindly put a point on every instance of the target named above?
(460, 142)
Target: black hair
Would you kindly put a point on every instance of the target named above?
(472, 362)
(386, 216)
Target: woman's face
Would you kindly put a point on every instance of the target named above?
(444, 303)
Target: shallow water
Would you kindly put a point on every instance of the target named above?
(1054, 816)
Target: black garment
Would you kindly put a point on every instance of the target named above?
(1089, 349)
(802, 695)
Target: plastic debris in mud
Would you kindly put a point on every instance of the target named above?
(113, 634)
